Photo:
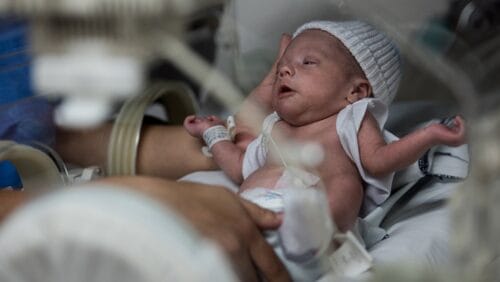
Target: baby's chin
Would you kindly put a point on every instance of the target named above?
(299, 117)
(289, 116)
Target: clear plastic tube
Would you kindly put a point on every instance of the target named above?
(36, 169)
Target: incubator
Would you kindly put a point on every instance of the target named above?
(441, 224)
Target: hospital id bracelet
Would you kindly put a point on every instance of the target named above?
(215, 134)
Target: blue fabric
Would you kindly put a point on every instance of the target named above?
(22, 119)
(14, 61)
(27, 120)
(9, 176)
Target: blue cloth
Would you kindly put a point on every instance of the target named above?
(28, 120)
(24, 121)
(14, 61)
(22, 118)
(9, 176)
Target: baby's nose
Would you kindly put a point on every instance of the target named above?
(285, 70)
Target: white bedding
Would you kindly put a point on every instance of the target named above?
(418, 226)
(418, 229)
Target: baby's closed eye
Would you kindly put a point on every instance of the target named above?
(309, 61)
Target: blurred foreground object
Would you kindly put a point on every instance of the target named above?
(95, 52)
(98, 233)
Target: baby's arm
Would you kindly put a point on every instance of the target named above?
(380, 159)
(226, 154)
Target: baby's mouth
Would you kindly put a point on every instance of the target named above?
(284, 89)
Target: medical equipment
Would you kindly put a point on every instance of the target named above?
(94, 53)
(37, 170)
(178, 102)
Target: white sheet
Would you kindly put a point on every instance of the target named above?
(418, 227)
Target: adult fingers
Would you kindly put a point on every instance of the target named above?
(265, 259)
(284, 42)
(234, 247)
(263, 218)
(267, 262)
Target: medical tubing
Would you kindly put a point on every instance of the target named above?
(55, 157)
(131, 8)
(36, 169)
(198, 69)
(178, 101)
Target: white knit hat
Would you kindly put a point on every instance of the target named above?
(376, 54)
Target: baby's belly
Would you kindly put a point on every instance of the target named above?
(266, 177)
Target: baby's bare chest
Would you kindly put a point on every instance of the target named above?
(299, 143)
(290, 147)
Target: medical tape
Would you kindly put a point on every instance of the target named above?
(215, 134)
(350, 259)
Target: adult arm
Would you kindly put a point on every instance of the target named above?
(232, 222)
(11, 200)
(214, 212)
(380, 159)
(258, 103)
(164, 151)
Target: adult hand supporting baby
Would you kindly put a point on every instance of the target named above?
(9, 201)
(222, 216)
(92, 143)
(258, 103)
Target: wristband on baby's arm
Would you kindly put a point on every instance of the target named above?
(215, 134)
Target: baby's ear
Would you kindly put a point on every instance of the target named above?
(360, 89)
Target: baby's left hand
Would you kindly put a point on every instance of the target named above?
(452, 134)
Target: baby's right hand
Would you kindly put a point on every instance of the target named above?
(195, 125)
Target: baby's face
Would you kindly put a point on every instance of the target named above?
(311, 83)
